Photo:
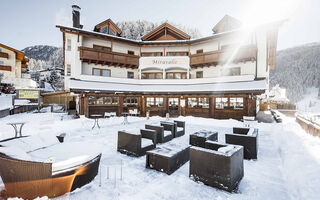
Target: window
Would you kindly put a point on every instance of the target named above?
(110, 100)
(151, 75)
(176, 75)
(101, 72)
(155, 54)
(199, 74)
(104, 29)
(235, 71)
(130, 52)
(159, 101)
(177, 53)
(236, 103)
(112, 32)
(130, 75)
(68, 45)
(173, 103)
(154, 102)
(150, 101)
(92, 100)
(103, 48)
(1, 63)
(68, 70)
(221, 102)
(0, 50)
(203, 102)
(199, 51)
(192, 102)
(130, 101)
(100, 100)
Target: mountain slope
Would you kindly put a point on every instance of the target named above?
(297, 69)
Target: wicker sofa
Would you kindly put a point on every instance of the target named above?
(246, 137)
(217, 165)
(37, 166)
(136, 142)
(161, 136)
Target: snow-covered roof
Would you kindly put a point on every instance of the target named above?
(258, 86)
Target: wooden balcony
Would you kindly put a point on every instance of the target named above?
(5, 67)
(243, 54)
(4, 55)
(95, 56)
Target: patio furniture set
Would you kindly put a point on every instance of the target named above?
(44, 165)
(215, 164)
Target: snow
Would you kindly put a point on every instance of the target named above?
(226, 149)
(288, 164)
(166, 133)
(179, 129)
(146, 142)
(310, 102)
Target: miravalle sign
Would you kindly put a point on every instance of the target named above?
(164, 62)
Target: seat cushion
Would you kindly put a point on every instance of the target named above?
(167, 133)
(146, 142)
(226, 149)
(179, 129)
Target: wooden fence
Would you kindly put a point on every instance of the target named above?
(60, 98)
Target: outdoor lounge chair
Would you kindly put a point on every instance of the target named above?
(161, 136)
(217, 165)
(136, 142)
(181, 126)
(28, 171)
(170, 128)
(246, 137)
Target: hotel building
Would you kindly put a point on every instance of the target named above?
(219, 76)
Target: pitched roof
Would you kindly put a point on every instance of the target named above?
(106, 22)
(227, 23)
(180, 35)
(19, 54)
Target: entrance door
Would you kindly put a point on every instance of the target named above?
(173, 106)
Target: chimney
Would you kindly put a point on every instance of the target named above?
(76, 16)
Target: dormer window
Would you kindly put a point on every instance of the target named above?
(112, 31)
(104, 30)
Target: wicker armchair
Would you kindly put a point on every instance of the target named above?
(136, 144)
(161, 137)
(246, 137)
(217, 168)
(181, 128)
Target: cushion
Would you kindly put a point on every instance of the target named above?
(226, 149)
(146, 142)
(166, 133)
(179, 129)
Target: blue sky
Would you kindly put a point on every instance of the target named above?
(25, 23)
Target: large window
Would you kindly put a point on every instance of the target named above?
(130, 101)
(112, 32)
(151, 75)
(236, 103)
(68, 69)
(103, 48)
(154, 102)
(221, 102)
(177, 53)
(201, 102)
(101, 72)
(176, 75)
(148, 54)
(104, 29)
(103, 100)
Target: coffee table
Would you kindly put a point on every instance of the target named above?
(199, 138)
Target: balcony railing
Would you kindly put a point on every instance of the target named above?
(246, 53)
(95, 56)
(4, 55)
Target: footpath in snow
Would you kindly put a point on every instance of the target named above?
(288, 165)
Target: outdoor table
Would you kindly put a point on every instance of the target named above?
(17, 130)
(96, 120)
(199, 138)
(125, 118)
(167, 158)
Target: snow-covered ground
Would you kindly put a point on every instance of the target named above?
(5, 101)
(288, 165)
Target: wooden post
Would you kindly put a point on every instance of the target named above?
(148, 115)
(167, 116)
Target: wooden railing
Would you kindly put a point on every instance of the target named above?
(245, 53)
(91, 55)
(4, 55)
(5, 67)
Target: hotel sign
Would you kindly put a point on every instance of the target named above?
(28, 94)
(164, 62)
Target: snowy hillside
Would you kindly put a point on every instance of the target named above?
(297, 69)
(310, 101)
